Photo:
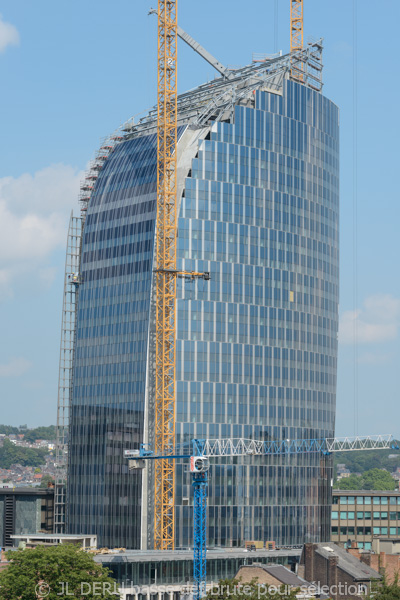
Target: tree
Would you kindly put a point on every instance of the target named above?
(53, 573)
(234, 589)
(378, 479)
(46, 479)
(386, 591)
(374, 479)
(349, 483)
(41, 433)
(10, 454)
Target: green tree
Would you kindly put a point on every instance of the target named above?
(40, 433)
(53, 573)
(46, 479)
(234, 589)
(27, 457)
(374, 479)
(386, 591)
(349, 483)
(377, 479)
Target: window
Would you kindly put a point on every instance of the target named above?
(384, 515)
(350, 500)
(360, 500)
(367, 515)
(377, 530)
(367, 530)
(367, 546)
(362, 589)
(334, 530)
(377, 500)
(335, 500)
(350, 515)
(343, 531)
(392, 500)
(377, 515)
(384, 530)
(393, 516)
(384, 500)
(334, 515)
(367, 499)
(360, 514)
(360, 530)
(343, 499)
(343, 514)
(350, 531)
(393, 531)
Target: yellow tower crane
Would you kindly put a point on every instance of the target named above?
(296, 34)
(165, 272)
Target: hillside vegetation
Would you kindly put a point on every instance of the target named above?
(10, 454)
(365, 460)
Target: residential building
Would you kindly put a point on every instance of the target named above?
(360, 516)
(337, 572)
(256, 350)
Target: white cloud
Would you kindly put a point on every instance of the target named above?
(15, 367)
(34, 211)
(9, 35)
(377, 321)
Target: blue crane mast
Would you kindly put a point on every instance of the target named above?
(199, 452)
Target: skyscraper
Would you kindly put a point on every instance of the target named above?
(258, 205)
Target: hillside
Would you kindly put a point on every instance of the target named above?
(361, 461)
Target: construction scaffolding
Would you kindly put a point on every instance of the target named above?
(73, 280)
(65, 368)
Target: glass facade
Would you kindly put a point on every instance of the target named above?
(256, 345)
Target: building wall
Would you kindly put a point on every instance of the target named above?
(28, 514)
(326, 572)
(1, 522)
(256, 345)
(362, 515)
(31, 512)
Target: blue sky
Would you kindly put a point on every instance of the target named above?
(73, 71)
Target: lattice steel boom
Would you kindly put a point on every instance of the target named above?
(165, 277)
(199, 452)
(296, 35)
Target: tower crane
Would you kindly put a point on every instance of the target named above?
(296, 34)
(199, 452)
(166, 273)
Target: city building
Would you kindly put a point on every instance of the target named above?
(360, 516)
(145, 575)
(24, 510)
(256, 352)
(338, 572)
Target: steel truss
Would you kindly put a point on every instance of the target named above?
(72, 262)
(296, 35)
(165, 276)
(193, 105)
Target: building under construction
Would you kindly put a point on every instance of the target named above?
(257, 201)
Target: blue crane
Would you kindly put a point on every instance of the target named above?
(199, 453)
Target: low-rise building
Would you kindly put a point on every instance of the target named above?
(360, 515)
(25, 510)
(337, 572)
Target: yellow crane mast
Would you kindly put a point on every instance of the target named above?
(296, 34)
(165, 273)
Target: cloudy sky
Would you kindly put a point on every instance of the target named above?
(73, 71)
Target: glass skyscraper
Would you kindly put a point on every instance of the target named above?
(258, 193)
